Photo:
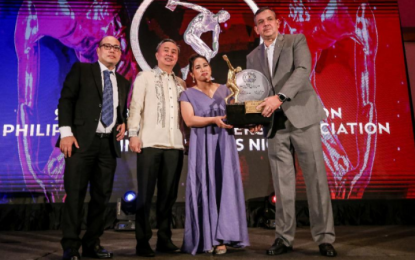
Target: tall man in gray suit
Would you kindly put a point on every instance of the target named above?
(286, 61)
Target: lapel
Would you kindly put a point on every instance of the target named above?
(279, 43)
(96, 71)
(263, 61)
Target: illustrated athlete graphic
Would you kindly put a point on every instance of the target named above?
(75, 28)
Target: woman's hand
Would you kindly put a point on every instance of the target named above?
(218, 120)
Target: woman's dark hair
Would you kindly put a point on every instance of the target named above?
(193, 58)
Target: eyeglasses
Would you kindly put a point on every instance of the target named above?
(108, 47)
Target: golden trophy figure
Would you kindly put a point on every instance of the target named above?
(231, 83)
(249, 88)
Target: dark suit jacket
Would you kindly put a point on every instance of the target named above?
(291, 72)
(81, 102)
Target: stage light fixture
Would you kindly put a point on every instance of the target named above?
(129, 196)
(128, 203)
(126, 208)
(269, 211)
(272, 198)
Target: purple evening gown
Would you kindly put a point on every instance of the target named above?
(215, 203)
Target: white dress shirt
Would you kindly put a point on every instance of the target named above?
(270, 55)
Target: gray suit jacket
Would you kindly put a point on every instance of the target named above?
(291, 71)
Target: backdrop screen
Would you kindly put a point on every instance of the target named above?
(358, 71)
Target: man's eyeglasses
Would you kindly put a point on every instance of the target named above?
(108, 47)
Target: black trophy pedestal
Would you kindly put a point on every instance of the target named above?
(236, 116)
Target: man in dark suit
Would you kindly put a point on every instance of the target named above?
(286, 61)
(92, 115)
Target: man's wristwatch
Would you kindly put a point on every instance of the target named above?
(281, 97)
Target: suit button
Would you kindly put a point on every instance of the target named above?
(100, 105)
(96, 120)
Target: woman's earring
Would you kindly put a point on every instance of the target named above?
(193, 79)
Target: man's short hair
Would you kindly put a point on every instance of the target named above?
(263, 9)
(167, 40)
(100, 42)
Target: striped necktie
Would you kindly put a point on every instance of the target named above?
(107, 114)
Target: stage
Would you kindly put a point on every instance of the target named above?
(361, 242)
(358, 70)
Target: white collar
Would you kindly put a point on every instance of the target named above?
(272, 44)
(159, 71)
(103, 67)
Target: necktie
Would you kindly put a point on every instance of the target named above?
(107, 115)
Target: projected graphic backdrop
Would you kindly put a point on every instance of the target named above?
(358, 73)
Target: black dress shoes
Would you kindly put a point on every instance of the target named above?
(96, 251)
(144, 249)
(279, 248)
(71, 254)
(327, 250)
(167, 247)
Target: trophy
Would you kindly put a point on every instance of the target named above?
(249, 88)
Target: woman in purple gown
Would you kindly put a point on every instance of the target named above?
(215, 203)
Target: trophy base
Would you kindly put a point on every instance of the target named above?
(236, 116)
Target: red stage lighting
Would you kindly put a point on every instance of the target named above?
(272, 198)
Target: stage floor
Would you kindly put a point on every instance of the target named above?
(362, 242)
